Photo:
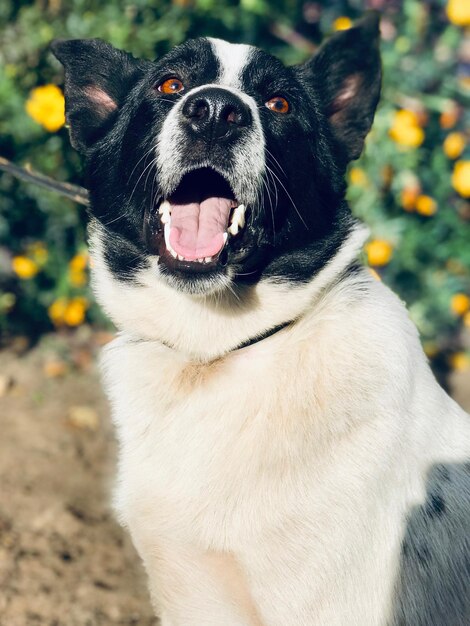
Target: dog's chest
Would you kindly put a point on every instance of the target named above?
(209, 441)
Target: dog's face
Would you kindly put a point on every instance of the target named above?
(217, 163)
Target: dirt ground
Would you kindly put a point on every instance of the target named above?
(63, 559)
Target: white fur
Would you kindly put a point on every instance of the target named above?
(270, 486)
(232, 58)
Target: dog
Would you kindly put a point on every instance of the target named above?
(286, 456)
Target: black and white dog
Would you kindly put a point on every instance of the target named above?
(286, 456)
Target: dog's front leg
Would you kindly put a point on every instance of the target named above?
(190, 587)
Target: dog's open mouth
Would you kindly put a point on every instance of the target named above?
(197, 221)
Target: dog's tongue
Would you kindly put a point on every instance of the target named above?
(197, 228)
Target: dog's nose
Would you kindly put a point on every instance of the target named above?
(216, 113)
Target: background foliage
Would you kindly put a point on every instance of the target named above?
(412, 186)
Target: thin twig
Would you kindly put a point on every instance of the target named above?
(74, 192)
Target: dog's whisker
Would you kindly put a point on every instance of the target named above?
(289, 196)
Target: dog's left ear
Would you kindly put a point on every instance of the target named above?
(98, 78)
(346, 75)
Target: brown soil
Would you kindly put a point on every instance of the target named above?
(63, 559)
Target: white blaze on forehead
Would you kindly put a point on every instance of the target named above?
(233, 58)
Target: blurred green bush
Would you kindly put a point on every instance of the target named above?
(412, 185)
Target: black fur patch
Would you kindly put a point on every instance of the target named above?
(433, 588)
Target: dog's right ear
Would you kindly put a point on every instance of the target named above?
(97, 79)
(346, 75)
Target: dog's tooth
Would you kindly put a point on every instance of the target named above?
(166, 232)
(225, 238)
(165, 207)
(165, 218)
(180, 258)
(167, 241)
(238, 220)
(208, 259)
(240, 210)
(239, 215)
(233, 228)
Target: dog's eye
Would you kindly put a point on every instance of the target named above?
(278, 104)
(171, 85)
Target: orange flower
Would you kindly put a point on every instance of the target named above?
(79, 262)
(342, 23)
(46, 105)
(24, 267)
(449, 117)
(77, 266)
(425, 205)
(70, 312)
(408, 198)
(454, 145)
(56, 311)
(74, 314)
(379, 252)
(406, 130)
(460, 304)
(461, 178)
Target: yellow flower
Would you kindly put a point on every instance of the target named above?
(24, 267)
(342, 23)
(460, 361)
(460, 304)
(77, 278)
(79, 262)
(454, 145)
(77, 266)
(458, 12)
(425, 205)
(405, 129)
(379, 252)
(57, 310)
(74, 314)
(46, 105)
(461, 178)
(409, 196)
(358, 177)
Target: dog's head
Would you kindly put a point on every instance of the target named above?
(216, 166)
